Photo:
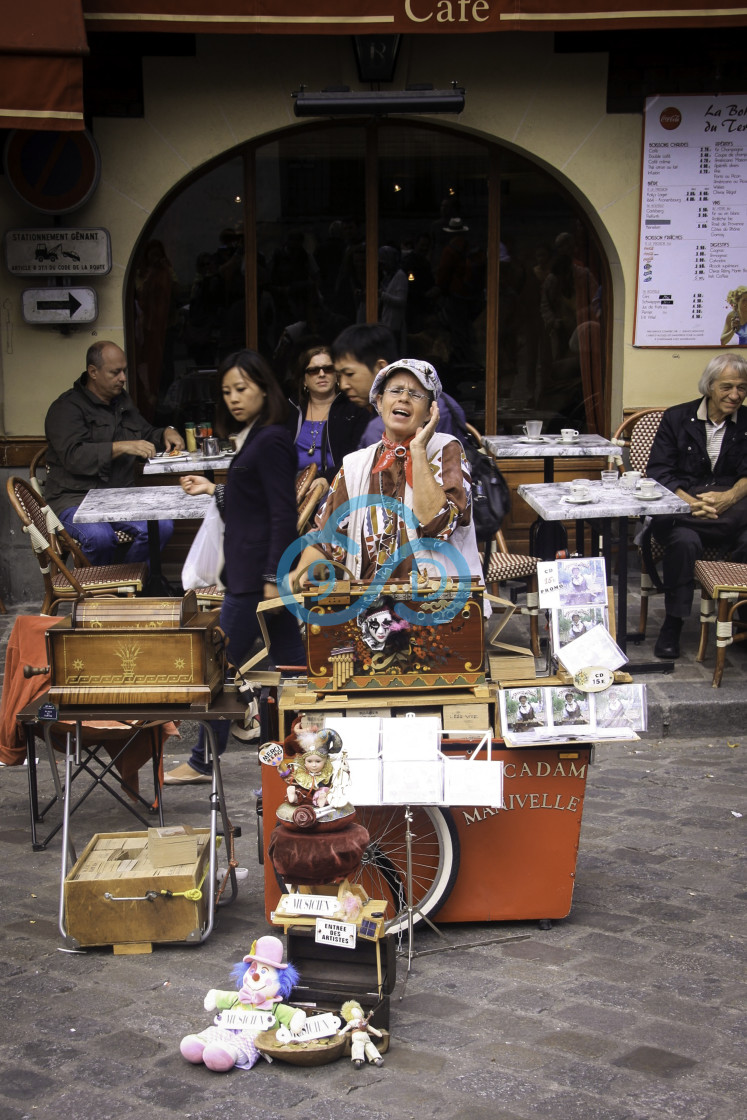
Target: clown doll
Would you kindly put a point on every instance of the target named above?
(263, 982)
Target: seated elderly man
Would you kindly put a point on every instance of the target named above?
(700, 453)
(95, 436)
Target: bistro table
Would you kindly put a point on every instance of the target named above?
(188, 462)
(549, 448)
(551, 502)
(144, 503)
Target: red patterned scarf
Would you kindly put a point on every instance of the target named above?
(395, 451)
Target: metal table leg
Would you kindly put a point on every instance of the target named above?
(217, 805)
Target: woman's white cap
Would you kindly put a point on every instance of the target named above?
(423, 371)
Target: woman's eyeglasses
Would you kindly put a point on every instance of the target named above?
(400, 391)
(314, 371)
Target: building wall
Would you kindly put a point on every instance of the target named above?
(546, 106)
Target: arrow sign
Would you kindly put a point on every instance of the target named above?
(71, 304)
(59, 305)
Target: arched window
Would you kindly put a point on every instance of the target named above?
(475, 257)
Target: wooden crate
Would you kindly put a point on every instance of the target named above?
(117, 865)
(329, 976)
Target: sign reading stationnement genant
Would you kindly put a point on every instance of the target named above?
(692, 252)
(58, 252)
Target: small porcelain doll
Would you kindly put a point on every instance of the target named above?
(311, 773)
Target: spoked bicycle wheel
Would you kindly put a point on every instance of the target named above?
(435, 860)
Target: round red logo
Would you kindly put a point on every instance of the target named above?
(670, 118)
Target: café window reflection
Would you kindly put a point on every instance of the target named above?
(484, 265)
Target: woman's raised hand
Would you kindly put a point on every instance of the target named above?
(196, 484)
(421, 437)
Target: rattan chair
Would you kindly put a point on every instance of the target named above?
(502, 566)
(304, 479)
(635, 438)
(723, 589)
(50, 542)
(38, 471)
(316, 493)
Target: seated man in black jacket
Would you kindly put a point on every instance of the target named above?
(96, 436)
(700, 453)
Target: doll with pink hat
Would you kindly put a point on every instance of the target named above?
(263, 982)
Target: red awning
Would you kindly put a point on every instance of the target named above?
(42, 44)
(359, 17)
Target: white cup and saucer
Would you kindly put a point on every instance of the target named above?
(569, 435)
(580, 492)
(630, 479)
(532, 432)
(648, 490)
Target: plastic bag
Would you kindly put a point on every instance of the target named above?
(204, 562)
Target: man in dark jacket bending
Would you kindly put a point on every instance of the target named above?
(700, 453)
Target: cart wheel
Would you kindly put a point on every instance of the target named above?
(435, 860)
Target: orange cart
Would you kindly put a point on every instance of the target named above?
(473, 864)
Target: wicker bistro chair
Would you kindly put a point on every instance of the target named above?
(723, 588)
(304, 479)
(502, 566)
(635, 437)
(50, 541)
(307, 509)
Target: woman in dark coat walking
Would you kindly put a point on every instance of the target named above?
(258, 506)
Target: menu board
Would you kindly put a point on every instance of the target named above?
(692, 251)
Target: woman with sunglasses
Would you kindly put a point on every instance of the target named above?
(414, 484)
(324, 424)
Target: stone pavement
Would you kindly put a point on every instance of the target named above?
(632, 1008)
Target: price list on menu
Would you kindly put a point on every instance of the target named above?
(692, 250)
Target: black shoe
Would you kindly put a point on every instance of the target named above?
(668, 642)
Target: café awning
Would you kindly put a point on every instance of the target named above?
(432, 17)
(42, 44)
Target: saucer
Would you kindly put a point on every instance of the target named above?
(567, 442)
(649, 497)
(531, 439)
(579, 501)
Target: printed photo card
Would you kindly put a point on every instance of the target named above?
(569, 623)
(578, 581)
(558, 713)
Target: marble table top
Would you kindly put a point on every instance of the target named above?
(550, 446)
(185, 464)
(141, 503)
(550, 501)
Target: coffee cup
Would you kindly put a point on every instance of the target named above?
(631, 478)
(580, 491)
(647, 487)
(210, 446)
(533, 429)
(568, 435)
